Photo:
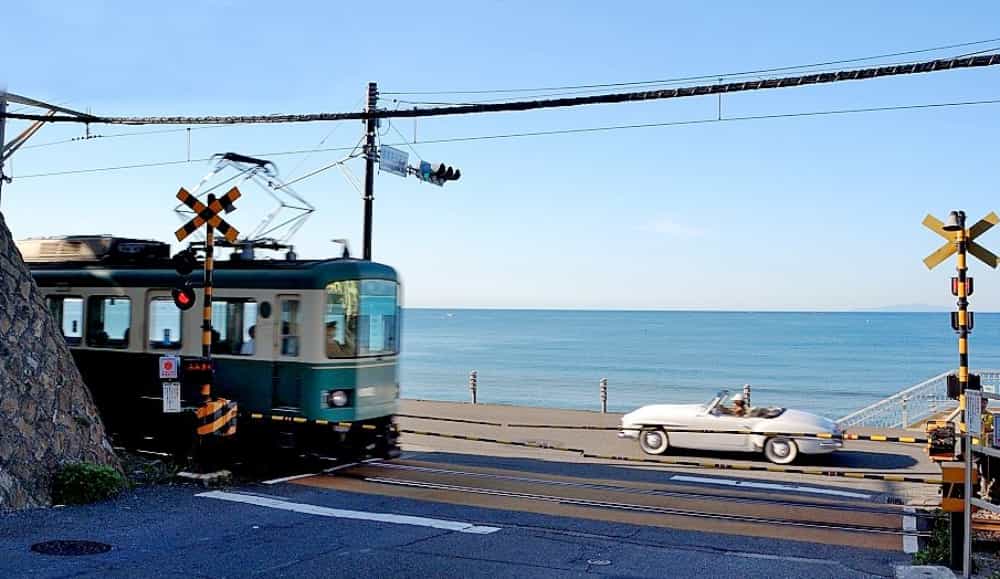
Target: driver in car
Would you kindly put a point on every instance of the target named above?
(739, 407)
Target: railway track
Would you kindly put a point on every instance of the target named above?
(846, 522)
(887, 508)
(986, 525)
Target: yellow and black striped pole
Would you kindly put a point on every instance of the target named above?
(960, 521)
(963, 306)
(206, 323)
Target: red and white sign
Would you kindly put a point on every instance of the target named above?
(169, 367)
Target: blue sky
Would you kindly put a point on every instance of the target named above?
(816, 212)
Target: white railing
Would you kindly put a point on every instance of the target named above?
(914, 404)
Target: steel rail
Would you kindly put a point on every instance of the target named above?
(646, 508)
(889, 509)
(889, 477)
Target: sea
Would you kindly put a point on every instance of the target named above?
(830, 363)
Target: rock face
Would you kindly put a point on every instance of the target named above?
(47, 416)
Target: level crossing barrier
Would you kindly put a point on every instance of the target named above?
(915, 478)
(819, 435)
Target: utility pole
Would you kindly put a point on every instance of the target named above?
(3, 141)
(370, 154)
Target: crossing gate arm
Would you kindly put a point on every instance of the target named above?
(704, 464)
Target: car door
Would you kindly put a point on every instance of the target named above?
(717, 421)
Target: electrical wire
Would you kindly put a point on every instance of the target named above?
(986, 60)
(321, 142)
(353, 155)
(118, 136)
(407, 143)
(919, 106)
(570, 93)
(699, 77)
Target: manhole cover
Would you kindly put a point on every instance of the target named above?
(70, 548)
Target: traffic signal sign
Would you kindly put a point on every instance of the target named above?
(437, 173)
(184, 297)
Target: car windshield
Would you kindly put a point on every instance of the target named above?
(717, 400)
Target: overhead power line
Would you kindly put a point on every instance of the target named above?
(699, 77)
(553, 132)
(660, 94)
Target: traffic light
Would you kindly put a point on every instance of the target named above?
(437, 173)
(184, 297)
(185, 262)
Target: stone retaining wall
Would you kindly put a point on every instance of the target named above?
(47, 416)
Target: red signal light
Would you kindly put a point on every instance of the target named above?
(184, 297)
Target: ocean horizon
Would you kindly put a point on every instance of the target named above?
(828, 362)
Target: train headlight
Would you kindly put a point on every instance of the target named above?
(336, 399)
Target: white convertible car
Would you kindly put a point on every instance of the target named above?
(652, 426)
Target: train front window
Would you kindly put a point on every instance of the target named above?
(108, 321)
(361, 318)
(68, 313)
(164, 324)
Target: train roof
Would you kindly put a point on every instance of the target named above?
(109, 261)
(257, 274)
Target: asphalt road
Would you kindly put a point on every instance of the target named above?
(289, 529)
(457, 508)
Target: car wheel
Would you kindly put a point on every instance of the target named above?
(653, 441)
(781, 450)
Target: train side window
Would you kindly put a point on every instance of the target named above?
(164, 324)
(289, 327)
(108, 321)
(68, 313)
(234, 322)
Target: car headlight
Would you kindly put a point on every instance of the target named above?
(336, 399)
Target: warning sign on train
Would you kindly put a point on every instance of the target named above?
(171, 397)
(168, 367)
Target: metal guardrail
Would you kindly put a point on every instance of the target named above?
(914, 404)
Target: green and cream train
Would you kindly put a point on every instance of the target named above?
(308, 348)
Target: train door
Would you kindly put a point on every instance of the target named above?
(287, 371)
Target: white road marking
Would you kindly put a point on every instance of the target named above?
(910, 544)
(308, 509)
(768, 486)
(275, 481)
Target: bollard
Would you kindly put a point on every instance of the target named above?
(473, 378)
(604, 395)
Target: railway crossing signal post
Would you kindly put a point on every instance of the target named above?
(215, 417)
(960, 242)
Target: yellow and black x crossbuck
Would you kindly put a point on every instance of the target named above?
(950, 247)
(215, 417)
(209, 214)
